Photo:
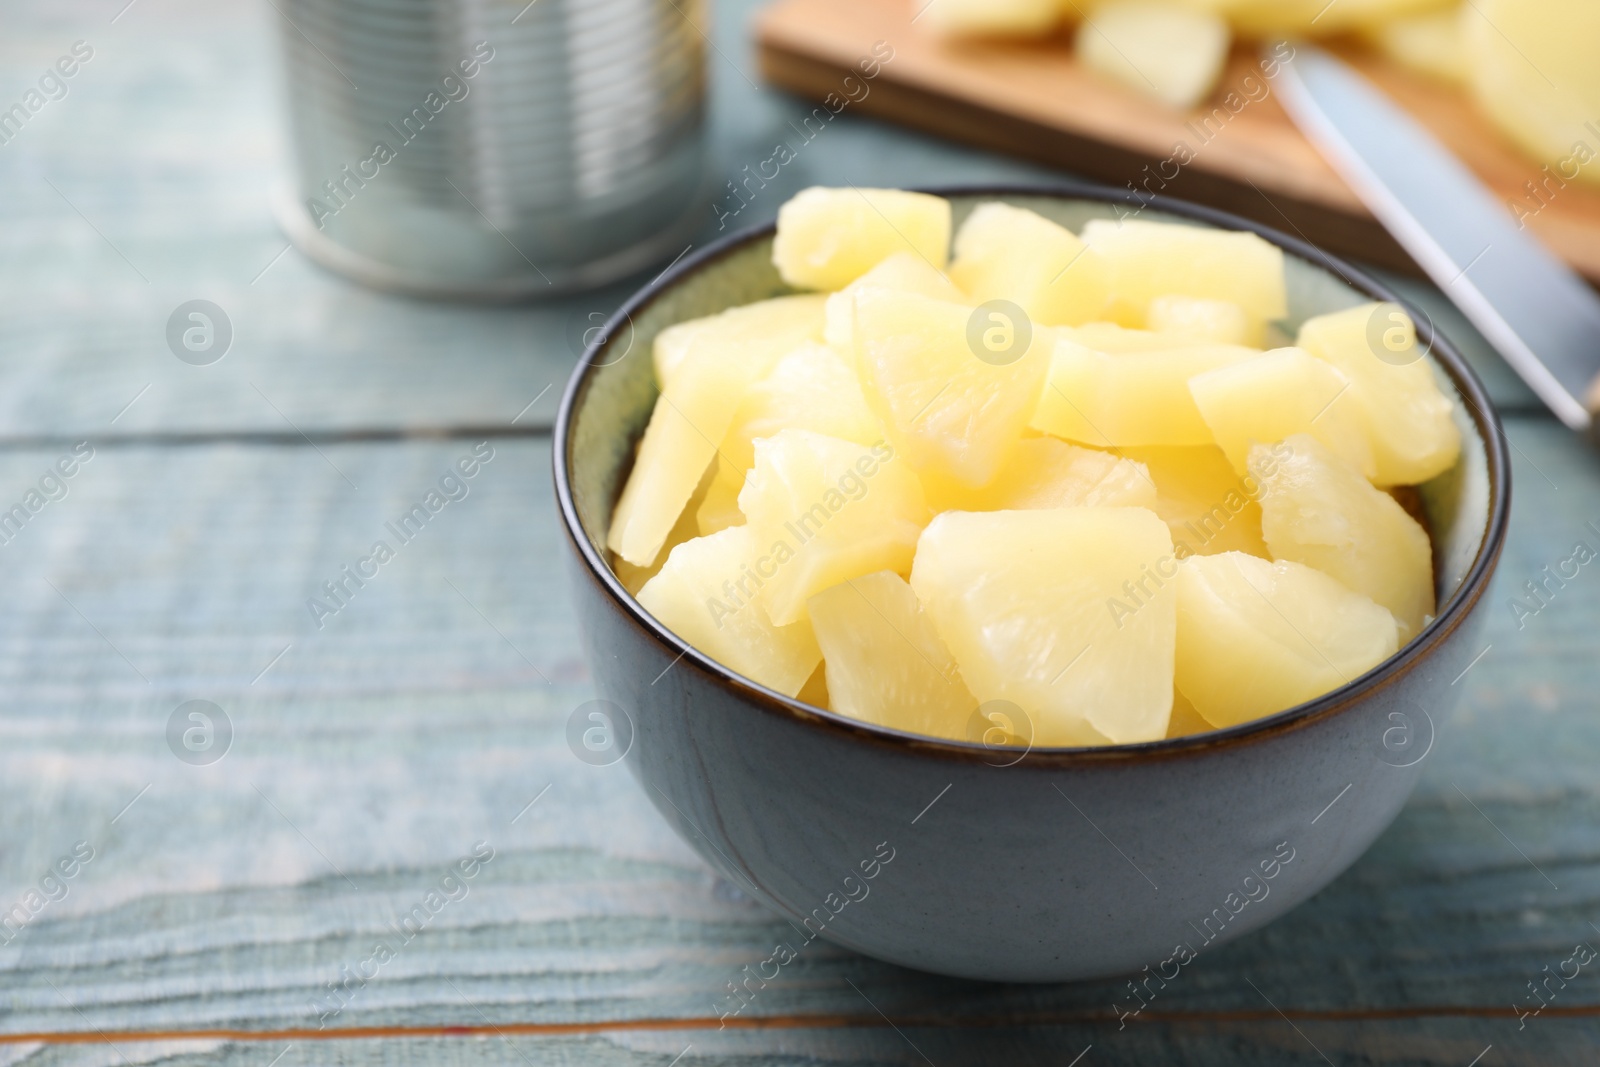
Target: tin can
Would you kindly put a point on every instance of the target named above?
(493, 149)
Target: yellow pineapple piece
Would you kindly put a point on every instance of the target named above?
(1318, 510)
(947, 404)
(991, 18)
(1042, 472)
(1165, 50)
(815, 691)
(671, 460)
(773, 326)
(1065, 613)
(1256, 638)
(1534, 73)
(1408, 419)
(1112, 338)
(1134, 398)
(716, 361)
(677, 448)
(1432, 43)
(704, 594)
(1009, 253)
(719, 507)
(885, 662)
(826, 510)
(1185, 721)
(685, 529)
(811, 388)
(827, 238)
(1278, 18)
(904, 272)
(1155, 259)
(1286, 391)
(633, 578)
(1202, 499)
(1219, 322)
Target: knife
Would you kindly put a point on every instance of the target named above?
(1532, 307)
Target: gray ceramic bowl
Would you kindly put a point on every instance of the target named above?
(1070, 863)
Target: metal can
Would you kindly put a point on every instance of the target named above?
(493, 149)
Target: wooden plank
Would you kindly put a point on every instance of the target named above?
(147, 186)
(1032, 99)
(1249, 1044)
(415, 723)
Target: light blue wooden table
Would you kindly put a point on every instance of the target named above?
(221, 903)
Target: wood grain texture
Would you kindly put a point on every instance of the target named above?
(1033, 100)
(148, 185)
(415, 723)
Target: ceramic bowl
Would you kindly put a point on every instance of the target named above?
(956, 858)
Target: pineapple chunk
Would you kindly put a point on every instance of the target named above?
(703, 594)
(1065, 613)
(992, 18)
(812, 388)
(686, 529)
(1155, 259)
(673, 456)
(830, 510)
(633, 578)
(827, 238)
(776, 325)
(1008, 253)
(1534, 73)
(714, 363)
(885, 663)
(815, 691)
(1134, 398)
(1164, 50)
(904, 272)
(1256, 638)
(1408, 420)
(719, 507)
(1433, 43)
(1286, 391)
(1218, 322)
(1278, 18)
(944, 408)
(1318, 510)
(1205, 503)
(1041, 473)
(1115, 339)
(1185, 720)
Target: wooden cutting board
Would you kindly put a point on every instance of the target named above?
(1241, 154)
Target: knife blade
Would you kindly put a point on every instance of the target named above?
(1534, 309)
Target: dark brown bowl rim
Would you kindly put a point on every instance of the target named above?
(1456, 611)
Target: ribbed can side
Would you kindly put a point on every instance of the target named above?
(481, 147)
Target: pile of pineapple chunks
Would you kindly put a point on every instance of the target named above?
(1528, 63)
(1059, 471)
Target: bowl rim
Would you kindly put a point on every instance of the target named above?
(1485, 420)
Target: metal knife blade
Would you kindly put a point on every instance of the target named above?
(1532, 307)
